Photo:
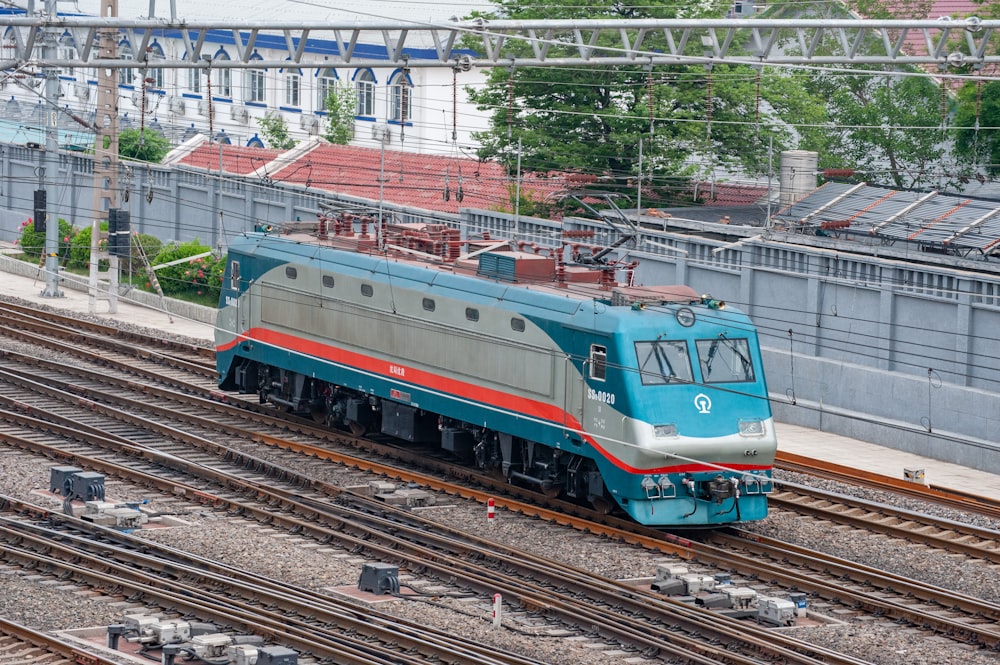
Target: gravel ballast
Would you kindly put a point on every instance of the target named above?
(236, 542)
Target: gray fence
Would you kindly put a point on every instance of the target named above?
(900, 353)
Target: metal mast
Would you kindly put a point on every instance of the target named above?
(106, 152)
(50, 158)
(970, 42)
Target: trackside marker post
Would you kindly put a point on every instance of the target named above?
(497, 599)
(491, 510)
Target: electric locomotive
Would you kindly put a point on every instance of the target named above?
(648, 399)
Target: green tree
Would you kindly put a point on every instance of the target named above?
(977, 118)
(592, 119)
(275, 130)
(143, 145)
(341, 103)
(889, 127)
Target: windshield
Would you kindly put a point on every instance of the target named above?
(663, 361)
(725, 360)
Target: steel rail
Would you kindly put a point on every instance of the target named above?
(423, 545)
(967, 501)
(21, 324)
(949, 535)
(880, 609)
(120, 580)
(278, 614)
(52, 644)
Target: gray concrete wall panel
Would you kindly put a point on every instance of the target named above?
(865, 329)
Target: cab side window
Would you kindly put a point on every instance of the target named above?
(598, 361)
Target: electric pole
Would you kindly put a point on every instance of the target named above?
(48, 172)
(106, 168)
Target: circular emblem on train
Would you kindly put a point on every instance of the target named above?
(703, 403)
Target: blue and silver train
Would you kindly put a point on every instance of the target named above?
(646, 399)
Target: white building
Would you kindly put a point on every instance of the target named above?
(422, 110)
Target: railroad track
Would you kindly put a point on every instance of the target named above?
(513, 588)
(948, 535)
(960, 625)
(25, 645)
(67, 548)
(646, 621)
(947, 497)
(74, 336)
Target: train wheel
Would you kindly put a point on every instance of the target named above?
(318, 414)
(357, 429)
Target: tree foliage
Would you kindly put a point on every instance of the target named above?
(889, 127)
(340, 106)
(143, 145)
(592, 119)
(977, 117)
(274, 128)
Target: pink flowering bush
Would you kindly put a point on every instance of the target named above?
(33, 243)
(201, 276)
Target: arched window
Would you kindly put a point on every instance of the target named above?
(326, 82)
(293, 86)
(194, 75)
(400, 106)
(254, 83)
(255, 142)
(364, 84)
(67, 51)
(154, 53)
(125, 74)
(223, 79)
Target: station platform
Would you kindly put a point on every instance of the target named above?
(75, 298)
(874, 458)
(791, 438)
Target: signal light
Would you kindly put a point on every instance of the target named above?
(119, 233)
(40, 210)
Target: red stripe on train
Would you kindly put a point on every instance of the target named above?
(428, 380)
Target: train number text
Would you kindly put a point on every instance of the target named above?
(601, 396)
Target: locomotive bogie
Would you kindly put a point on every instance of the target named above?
(659, 410)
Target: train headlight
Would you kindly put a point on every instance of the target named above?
(664, 431)
(752, 428)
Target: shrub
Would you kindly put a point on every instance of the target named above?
(33, 242)
(199, 278)
(79, 250)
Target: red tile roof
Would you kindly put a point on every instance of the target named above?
(236, 159)
(430, 182)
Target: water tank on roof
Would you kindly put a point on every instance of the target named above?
(798, 175)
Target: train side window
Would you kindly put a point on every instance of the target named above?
(328, 281)
(517, 325)
(472, 314)
(598, 362)
(367, 290)
(429, 304)
(234, 275)
(291, 273)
